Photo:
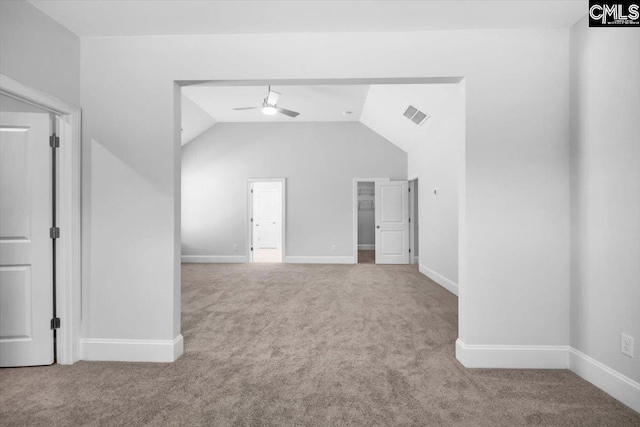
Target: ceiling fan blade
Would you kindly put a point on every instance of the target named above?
(287, 112)
(273, 97)
(248, 108)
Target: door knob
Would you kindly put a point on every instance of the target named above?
(377, 226)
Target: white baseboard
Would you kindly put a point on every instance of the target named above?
(319, 260)
(439, 279)
(367, 247)
(215, 259)
(610, 381)
(513, 356)
(116, 350)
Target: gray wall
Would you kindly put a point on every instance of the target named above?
(38, 51)
(319, 161)
(367, 220)
(605, 194)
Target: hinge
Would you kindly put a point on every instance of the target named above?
(409, 190)
(409, 219)
(252, 248)
(54, 141)
(55, 323)
(409, 250)
(251, 219)
(252, 191)
(54, 232)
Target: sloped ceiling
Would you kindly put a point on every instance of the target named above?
(195, 120)
(385, 105)
(379, 107)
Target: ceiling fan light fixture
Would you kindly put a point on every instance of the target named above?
(269, 110)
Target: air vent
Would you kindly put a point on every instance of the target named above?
(411, 111)
(415, 115)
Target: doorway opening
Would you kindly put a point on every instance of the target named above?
(366, 223)
(390, 220)
(266, 220)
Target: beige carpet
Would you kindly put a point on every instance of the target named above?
(366, 257)
(283, 345)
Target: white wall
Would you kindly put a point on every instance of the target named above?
(319, 161)
(516, 165)
(435, 156)
(38, 51)
(605, 194)
(367, 218)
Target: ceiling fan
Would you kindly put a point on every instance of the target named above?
(269, 106)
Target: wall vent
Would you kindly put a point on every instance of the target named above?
(415, 115)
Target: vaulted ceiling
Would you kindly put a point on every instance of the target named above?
(379, 107)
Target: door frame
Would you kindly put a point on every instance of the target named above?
(413, 200)
(355, 212)
(68, 246)
(249, 213)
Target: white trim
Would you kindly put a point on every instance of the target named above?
(69, 255)
(31, 95)
(439, 279)
(600, 375)
(118, 350)
(249, 212)
(413, 197)
(413, 177)
(512, 356)
(215, 259)
(367, 247)
(416, 260)
(610, 381)
(355, 211)
(320, 260)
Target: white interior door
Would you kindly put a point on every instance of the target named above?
(26, 276)
(266, 215)
(392, 222)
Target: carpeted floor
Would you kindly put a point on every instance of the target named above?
(366, 257)
(314, 345)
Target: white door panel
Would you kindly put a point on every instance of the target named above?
(26, 285)
(267, 221)
(392, 222)
(265, 217)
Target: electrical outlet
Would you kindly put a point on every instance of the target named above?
(626, 345)
(235, 247)
(333, 247)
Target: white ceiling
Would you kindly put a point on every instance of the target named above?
(100, 18)
(379, 107)
(314, 103)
